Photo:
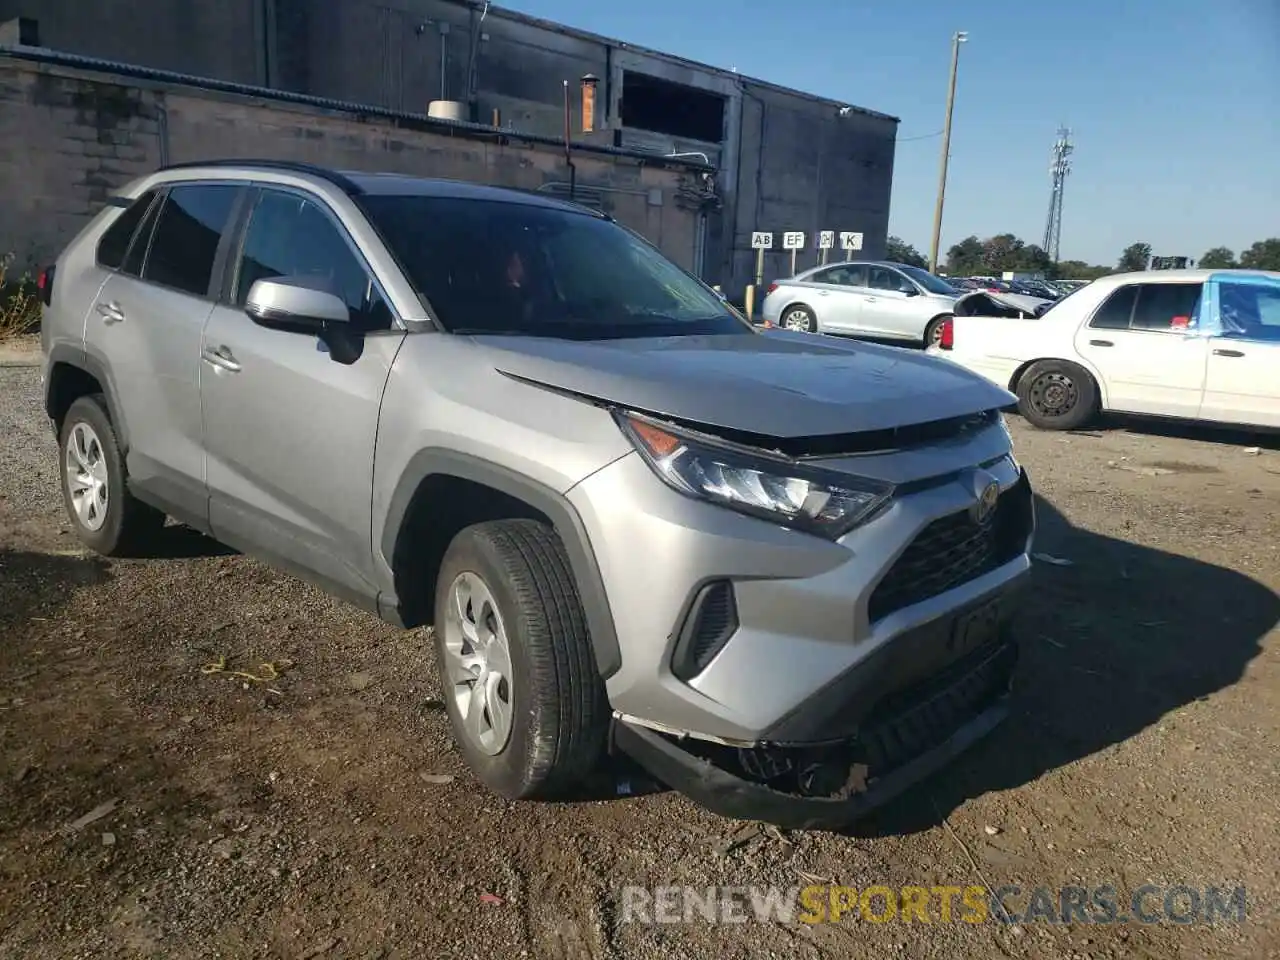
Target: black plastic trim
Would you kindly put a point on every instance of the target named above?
(730, 796)
(687, 660)
(568, 524)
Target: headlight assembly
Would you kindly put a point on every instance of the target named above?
(817, 501)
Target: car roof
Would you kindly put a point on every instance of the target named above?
(1176, 276)
(372, 183)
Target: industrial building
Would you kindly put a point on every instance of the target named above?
(765, 157)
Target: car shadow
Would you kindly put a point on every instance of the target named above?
(180, 542)
(1110, 645)
(1190, 430)
(34, 585)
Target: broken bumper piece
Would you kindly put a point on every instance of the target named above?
(831, 785)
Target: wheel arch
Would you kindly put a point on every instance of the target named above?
(72, 373)
(416, 535)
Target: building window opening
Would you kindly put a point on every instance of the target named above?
(662, 106)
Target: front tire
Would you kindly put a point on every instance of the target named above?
(1057, 395)
(107, 518)
(517, 672)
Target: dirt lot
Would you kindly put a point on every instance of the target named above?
(314, 816)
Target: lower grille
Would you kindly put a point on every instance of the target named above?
(919, 719)
(954, 550)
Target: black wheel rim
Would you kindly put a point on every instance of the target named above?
(1053, 395)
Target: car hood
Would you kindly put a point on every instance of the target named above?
(773, 383)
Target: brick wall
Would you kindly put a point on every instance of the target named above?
(68, 138)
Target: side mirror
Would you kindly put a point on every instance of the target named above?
(909, 290)
(289, 300)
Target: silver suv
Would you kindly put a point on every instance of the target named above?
(774, 569)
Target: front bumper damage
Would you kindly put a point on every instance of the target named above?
(878, 746)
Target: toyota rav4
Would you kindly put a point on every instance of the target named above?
(775, 569)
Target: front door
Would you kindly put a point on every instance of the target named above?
(1242, 384)
(289, 431)
(1146, 343)
(148, 320)
(888, 309)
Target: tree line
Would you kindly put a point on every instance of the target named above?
(1006, 252)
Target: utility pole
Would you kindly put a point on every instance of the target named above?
(960, 37)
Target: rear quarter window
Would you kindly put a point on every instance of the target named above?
(114, 243)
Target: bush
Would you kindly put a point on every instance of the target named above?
(19, 303)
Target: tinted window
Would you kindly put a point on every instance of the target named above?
(1249, 311)
(115, 241)
(187, 235)
(290, 236)
(882, 278)
(1114, 314)
(932, 283)
(501, 266)
(844, 275)
(1166, 306)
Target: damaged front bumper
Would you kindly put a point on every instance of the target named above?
(877, 748)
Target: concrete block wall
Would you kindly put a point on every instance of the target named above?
(68, 138)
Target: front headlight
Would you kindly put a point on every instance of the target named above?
(817, 501)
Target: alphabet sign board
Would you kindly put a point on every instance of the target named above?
(850, 241)
(761, 241)
(826, 239)
(793, 240)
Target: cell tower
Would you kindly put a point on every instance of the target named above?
(1059, 167)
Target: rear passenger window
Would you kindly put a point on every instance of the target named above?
(115, 241)
(137, 254)
(1166, 306)
(1114, 314)
(187, 235)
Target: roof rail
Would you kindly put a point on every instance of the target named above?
(343, 183)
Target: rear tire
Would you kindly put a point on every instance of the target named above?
(799, 319)
(538, 726)
(933, 332)
(1057, 395)
(107, 518)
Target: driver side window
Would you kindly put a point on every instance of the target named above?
(882, 278)
(290, 236)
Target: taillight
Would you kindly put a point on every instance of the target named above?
(44, 284)
(947, 335)
(769, 289)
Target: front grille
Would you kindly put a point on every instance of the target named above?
(954, 550)
(915, 721)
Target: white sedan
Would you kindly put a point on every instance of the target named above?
(1188, 344)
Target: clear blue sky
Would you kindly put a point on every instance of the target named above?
(1174, 104)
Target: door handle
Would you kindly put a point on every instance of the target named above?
(1101, 343)
(220, 357)
(1228, 353)
(870, 299)
(110, 312)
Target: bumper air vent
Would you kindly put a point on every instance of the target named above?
(712, 618)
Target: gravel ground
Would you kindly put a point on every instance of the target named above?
(326, 814)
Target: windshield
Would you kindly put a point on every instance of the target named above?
(493, 266)
(933, 284)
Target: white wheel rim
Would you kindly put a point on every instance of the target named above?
(86, 476)
(477, 661)
(797, 320)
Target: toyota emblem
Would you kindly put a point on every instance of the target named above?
(986, 505)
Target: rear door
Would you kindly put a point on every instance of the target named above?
(834, 294)
(290, 431)
(1242, 384)
(146, 323)
(1145, 342)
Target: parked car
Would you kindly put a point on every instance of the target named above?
(775, 569)
(1190, 344)
(879, 299)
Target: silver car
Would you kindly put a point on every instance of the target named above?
(777, 570)
(883, 300)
